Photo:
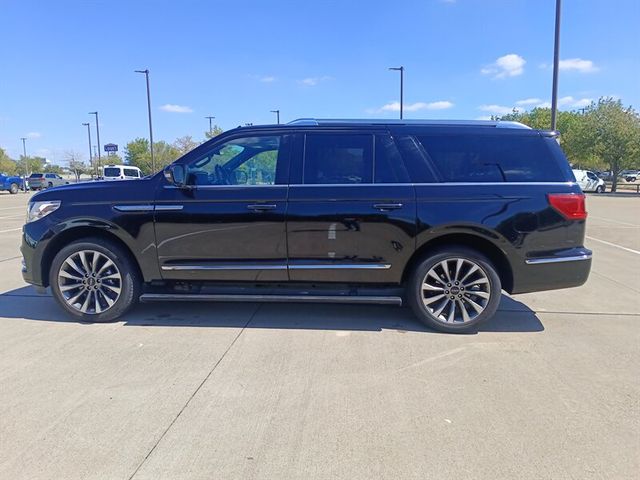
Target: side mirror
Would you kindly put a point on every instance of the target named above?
(175, 174)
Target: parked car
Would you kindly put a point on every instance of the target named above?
(38, 181)
(11, 183)
(589, 181)
(441, 215)
(121, 172)
(630, 175)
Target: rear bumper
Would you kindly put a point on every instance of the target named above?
(560, 269)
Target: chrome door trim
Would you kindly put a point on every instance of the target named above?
(540, 261)
(133, 208)
(182, 268)
(344, 266)
(168, 208)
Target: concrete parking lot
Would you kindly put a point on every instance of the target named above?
(550, 388)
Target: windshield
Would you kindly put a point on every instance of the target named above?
(111, 172)
(35, 175)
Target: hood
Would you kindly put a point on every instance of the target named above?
(141, 190)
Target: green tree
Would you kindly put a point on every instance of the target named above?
(7, 164)
(612, 133)
(137, 153)
(50, 168)
(76, 165)
(214, 132)
(185, 144)
(35, 164)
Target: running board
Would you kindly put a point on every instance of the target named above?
(191, 297)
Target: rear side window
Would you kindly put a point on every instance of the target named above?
(489, 158)
(338, 158)
(130, 172)
(389, 167)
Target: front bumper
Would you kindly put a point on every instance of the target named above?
(35, 236)
(552, 271)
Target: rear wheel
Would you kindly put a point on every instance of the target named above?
(454, 290)
(13, 188)
(49, 185)
(94, 280)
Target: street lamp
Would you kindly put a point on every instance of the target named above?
(401, 70)
(556, 61)
(210, 127)
(98, 134)
(95, 167)
(146, 74)
(26, 163)
(277, 112)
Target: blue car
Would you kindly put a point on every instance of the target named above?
(11, 183)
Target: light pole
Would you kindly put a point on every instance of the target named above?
(401, 70)
(26, 163)
(277, 112)
(88, 125)
(146, 74)
(556, 61)
(210, 127)
(98, 135)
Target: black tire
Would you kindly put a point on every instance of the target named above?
(130, 281)
(631, 179)
(415, 294)
(13, 188)
(49, 185)
(600, 189)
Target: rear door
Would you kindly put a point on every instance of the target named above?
(351, 215)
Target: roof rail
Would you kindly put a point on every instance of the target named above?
(359, 121)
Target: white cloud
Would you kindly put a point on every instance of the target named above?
(170, 107)
(510, 65)
(572, 102)
(414, 107)
(498, 109)
(268, 79)
(33, 135)
(529, 101)
(578, 65)
(313, 81)
(484, 117)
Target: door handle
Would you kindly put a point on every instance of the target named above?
(384, 207)
(261, 207)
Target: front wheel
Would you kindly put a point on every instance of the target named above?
(600, 189)
(95, 280)
(454, 290)
(13, 188)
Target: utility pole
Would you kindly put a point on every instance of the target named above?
(98, 135)
(210, 126)
(91, 163)
(556, 61)
(146, 74)
(401, 70)
(277, 112)
(26, 163)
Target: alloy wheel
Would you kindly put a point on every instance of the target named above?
(456, 290)
(89, 282)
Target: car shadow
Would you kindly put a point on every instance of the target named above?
(25, 304)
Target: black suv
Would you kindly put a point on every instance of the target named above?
(441, 215)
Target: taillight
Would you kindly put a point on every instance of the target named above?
(570, 205)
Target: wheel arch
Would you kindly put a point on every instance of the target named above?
(73, 234)
(494, 253)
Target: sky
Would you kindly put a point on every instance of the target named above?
(238, 60)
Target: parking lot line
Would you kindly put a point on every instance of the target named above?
(614, 221)
(11, 230)
(613, 245)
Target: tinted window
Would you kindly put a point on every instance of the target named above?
(130, 172)
(338, 158)
(241, 161)
(592, 176)
(489, 158)
(111, 172)
(35, 175)
(389, 167)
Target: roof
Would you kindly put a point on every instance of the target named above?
(347, 121)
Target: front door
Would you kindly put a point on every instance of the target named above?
(229, 222)
(352, 210)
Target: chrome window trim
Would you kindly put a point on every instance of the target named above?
(545, 260)
(434, 184)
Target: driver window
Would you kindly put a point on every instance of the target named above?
(241, 161)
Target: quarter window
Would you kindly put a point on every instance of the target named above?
(489, 158)
(240, 161)
(338, 159)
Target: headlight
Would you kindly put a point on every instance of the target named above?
(38, 210)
